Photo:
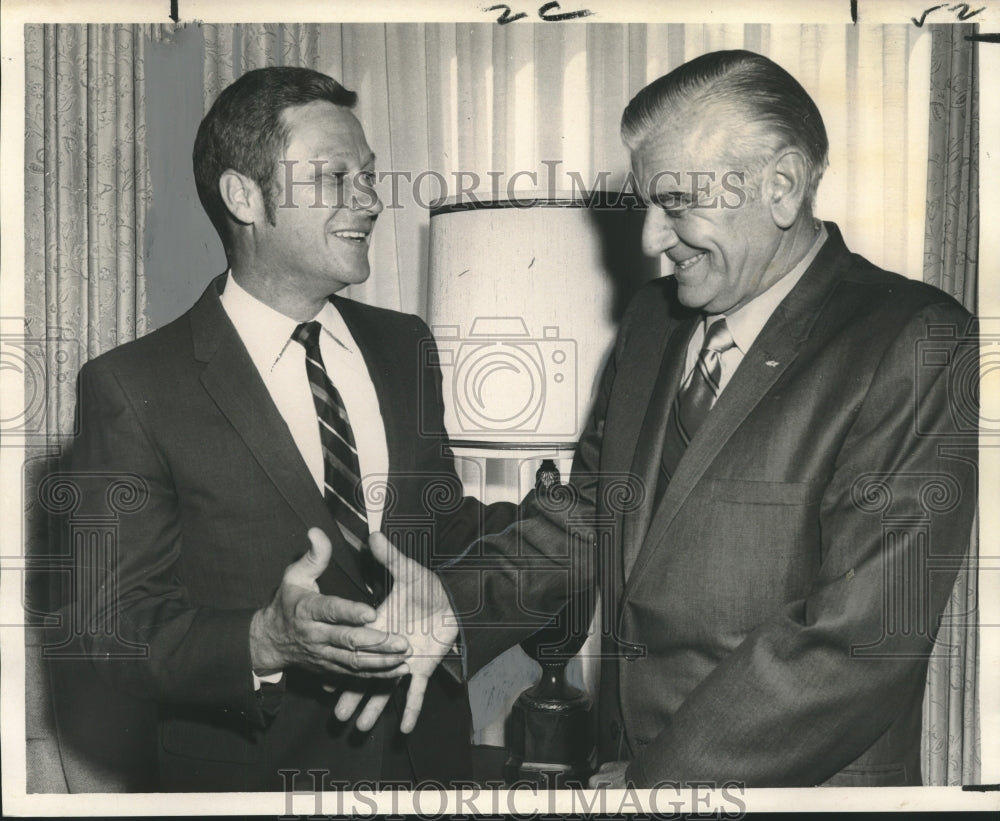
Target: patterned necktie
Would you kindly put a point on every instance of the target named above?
(694, 401)
(341, 469)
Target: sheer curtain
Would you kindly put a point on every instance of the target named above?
(473, 99)
(449, 104)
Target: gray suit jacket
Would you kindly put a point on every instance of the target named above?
(769, 621)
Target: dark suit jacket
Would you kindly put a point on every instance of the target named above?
(769, 621)
(223, 504)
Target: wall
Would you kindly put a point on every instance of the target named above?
(182, 250)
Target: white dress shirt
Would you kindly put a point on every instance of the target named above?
(281, 362)
(746, 323)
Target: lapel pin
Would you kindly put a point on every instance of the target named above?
(772, 363)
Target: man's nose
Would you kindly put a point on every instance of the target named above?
(364, 197)
(658, 233)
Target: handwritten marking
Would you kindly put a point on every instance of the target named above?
(965, 14)
(983, 38)
(923, 17)
(963, 9)
(854, 11)
(175, 11)
(531, 263)
(506, 16)
(543, 12)
(464, 272)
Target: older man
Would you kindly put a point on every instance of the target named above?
(804, 492)
(271, 420)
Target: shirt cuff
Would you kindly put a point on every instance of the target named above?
(272, 678)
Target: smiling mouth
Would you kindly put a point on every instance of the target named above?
(359, 237)
(684, 264)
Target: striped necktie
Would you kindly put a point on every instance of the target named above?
(341, 469)
(693, 401)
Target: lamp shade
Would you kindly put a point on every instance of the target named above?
(524, 300)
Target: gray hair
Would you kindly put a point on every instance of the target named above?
(771, 106)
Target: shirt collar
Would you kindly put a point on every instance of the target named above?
(266, 333)
(746, 323)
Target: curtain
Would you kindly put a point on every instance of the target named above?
(86, 193)
(234, 48)
(86, 190)
(951, 239)
(444, 106)
(951, 707)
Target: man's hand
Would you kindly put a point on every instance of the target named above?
(327, 634)
(610, 775)
(417, 608)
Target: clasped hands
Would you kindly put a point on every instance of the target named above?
(409, 633)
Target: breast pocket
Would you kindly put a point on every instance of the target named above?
(742, 549)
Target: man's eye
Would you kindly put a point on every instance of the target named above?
(674, 206)
(676, 211)
(367, 178)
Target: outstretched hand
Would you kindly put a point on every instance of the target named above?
(327, 634)
(417, 608)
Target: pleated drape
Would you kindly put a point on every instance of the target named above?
(951, 262)
(86, 193)
(85, 196)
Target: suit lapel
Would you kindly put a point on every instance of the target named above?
(768, 358)
(646, 461)
(232, 380)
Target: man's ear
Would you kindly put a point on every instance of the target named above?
(789, 184)
(242, 197)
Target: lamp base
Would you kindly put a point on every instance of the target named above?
(545, 775)
(549, 732)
